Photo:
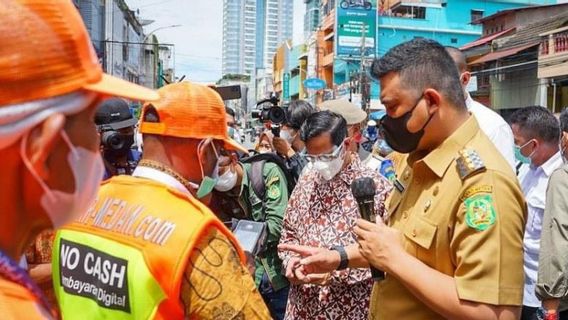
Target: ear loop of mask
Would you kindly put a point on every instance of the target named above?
(30, 167)
(526, 144)
(207, 183)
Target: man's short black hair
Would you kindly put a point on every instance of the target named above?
(230, 111)
(458, 57)
(537, 122)
(422, 64)
(324, 121)
(564, 120)
(298, 112)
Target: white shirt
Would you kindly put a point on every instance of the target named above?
(161, 177)
(495, 127)
(534, 181)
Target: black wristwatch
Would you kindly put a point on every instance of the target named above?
(343, 255)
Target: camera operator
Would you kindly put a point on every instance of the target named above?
(289, 145)
(115, 125)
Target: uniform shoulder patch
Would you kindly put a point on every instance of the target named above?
(469, 163)
(274, 191)
(480, 211)
(272, 180)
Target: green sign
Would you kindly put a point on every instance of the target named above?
(286, 86)
(353, 20)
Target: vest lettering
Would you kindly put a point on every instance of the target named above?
(102, 211)
(164, 233)
(106, 270)
(117, 275)
(69, 257)
(140, 229)
(152, 229)
(117, 209)
(89, 258)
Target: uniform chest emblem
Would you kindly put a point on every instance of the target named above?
(480, 212)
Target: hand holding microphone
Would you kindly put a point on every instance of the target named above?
(379, 244)
(363, 190)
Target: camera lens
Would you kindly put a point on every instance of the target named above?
(112, 140)
(277, 115)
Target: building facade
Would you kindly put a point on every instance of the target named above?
(519, 59)
(311, 17)
(446, 21)
(252, 31)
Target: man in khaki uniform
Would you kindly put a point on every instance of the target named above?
(453, 244)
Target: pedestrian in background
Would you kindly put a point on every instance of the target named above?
(51, 166)
(265, 143)
(536, 132)
(322, 213)
(552, 282)
(168, 256)
(453, 244)
(490, 122)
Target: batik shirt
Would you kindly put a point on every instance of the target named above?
(322, 214)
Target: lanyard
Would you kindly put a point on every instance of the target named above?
(11, 271)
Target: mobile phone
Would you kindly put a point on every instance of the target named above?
(249, 234)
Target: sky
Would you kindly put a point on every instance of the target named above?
(198, 42)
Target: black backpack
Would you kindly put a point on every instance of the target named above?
(255, 171)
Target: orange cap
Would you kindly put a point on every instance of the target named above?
(45, 51)
(189, 110)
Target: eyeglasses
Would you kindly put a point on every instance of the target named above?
(325, 157)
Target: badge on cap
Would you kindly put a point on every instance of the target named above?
(480, 212)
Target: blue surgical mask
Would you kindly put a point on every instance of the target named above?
(519, 155)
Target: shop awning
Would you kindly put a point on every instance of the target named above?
(485, 39)
(496, 55)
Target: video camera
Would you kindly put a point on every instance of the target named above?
(114, 140)
(269, 112)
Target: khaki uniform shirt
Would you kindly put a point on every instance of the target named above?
(553, 261)
(466, 222)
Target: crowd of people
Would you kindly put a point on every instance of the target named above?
(168, 216)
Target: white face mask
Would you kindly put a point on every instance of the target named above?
(284, 134)
(330, 169)
(87, 168)
(227, 181)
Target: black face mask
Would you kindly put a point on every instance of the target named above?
(396, 132)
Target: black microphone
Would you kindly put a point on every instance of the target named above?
(363, 190)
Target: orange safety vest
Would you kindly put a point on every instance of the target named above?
(125, 258)
(16, 302)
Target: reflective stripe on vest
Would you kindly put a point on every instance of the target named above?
(146, 233)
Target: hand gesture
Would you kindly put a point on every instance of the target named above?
(314, 260)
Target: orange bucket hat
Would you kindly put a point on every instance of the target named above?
(189, 110)
(45, 51)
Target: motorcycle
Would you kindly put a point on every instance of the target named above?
(345, 4)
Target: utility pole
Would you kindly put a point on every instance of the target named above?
(362, 68)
